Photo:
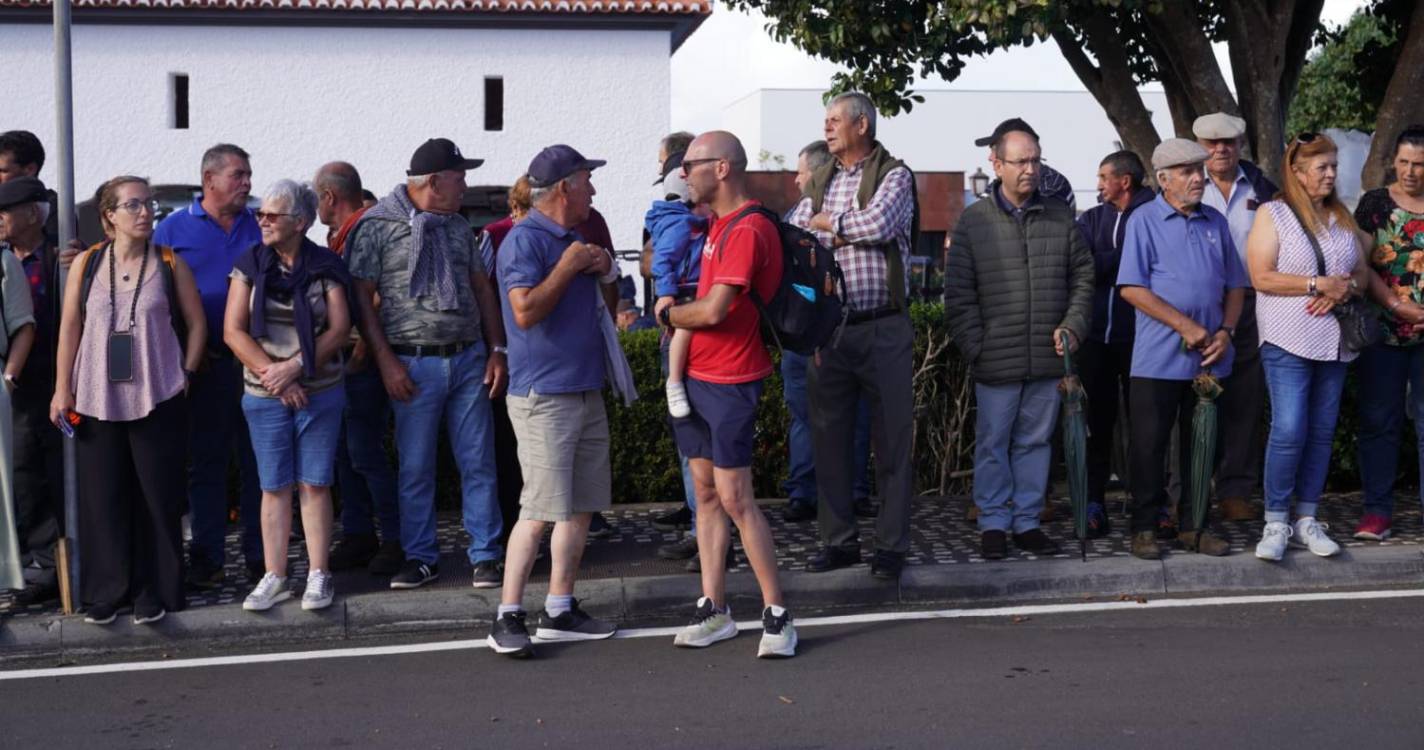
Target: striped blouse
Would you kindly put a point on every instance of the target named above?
(1282, 319)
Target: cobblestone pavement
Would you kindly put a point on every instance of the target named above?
(942, 535)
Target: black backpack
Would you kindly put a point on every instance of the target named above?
(808, 310)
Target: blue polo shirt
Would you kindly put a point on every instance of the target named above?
(1190, 262)
(563, 353)
(210, 253)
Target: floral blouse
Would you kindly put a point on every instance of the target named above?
(1398, 256)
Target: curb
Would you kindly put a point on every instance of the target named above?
(646, 598)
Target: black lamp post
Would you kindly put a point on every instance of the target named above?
(979, 182)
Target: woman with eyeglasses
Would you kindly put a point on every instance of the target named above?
(1306, 257)
(1393, 217)
(287, 320)
(131, 332)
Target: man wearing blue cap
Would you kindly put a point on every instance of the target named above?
(549, 290)
(438, 343)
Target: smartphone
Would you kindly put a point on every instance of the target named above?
(120, 357)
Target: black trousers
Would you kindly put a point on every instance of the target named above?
(509, 478)
(1156, 406)
(132, 487)
(39, 480)
(1240, 446)
(1104, 370)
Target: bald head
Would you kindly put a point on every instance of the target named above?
(719, 144)
(338, 190)
(715, 168)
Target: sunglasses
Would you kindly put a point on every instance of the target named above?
(689, 164)
(1306, 136)
(267, 216)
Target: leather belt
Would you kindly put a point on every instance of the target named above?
(431, 350)
(865, 316)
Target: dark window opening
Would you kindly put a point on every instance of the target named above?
(494, 104)
(180, 100)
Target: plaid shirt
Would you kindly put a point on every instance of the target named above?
(867, 230)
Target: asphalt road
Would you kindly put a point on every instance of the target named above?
(1239, 676)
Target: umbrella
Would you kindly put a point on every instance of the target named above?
(1075, 445)
(1207, 388)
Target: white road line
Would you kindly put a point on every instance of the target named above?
(1026, 610)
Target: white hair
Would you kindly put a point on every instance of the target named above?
(538, 194)
(857, 105)
(418, 180)
(299, 198)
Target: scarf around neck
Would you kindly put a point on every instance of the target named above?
(264, 267)
(429, 247)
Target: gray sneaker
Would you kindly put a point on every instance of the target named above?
(778, 635)
(509, 636)
(708, 626)
(270, 590)
(320, 590)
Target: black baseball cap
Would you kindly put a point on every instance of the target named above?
(1007, 126)
(22, 190)
(557, 162)
(438, 155)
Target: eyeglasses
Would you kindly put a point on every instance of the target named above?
(135, 206)
(1022, 163)
(269, 216)
(689, 164)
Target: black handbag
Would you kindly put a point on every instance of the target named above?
(1360, 326)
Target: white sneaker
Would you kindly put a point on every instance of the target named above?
(778, 635)
(1274, 540)
(319, 590)
(1310, 534)
(270, 590)
(708, 626)
(677, 399)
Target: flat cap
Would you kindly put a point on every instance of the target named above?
(1175, 152)
(1218, 125)
(22, 190)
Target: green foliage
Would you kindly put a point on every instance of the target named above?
(1341, 85)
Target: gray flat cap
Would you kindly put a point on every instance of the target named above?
(1218, 125)
(1175, 152)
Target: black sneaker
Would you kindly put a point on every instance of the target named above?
(1098, 524)
(1036, 542)
(203, 574)
(993, 544)
(694, 564)
(679, 550)
(488, 575)
(147, 614)
(573, 625)
(599, 527)
(354, 551)
(36, 593)
(864, 507)
(797, 511)
(509, 636)
(100, 614)
(675, 521)
(414, 574)
(388, 559)
(887, 565)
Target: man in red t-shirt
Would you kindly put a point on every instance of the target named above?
(726, 364)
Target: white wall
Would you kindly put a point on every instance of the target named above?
(939, 134)
(298, 97)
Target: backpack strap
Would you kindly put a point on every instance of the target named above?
(751, 291)
(87, 270)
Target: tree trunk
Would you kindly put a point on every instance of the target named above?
(1267, 41)
(1402, 105)
(1186, 62)
(1111, 83)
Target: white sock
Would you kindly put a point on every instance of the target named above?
(505, 609)
(557, 605)
(777, 610)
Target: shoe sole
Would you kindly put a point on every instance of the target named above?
(726, 632)
(253, 607)
(486, 584)
(1268, 558)
(151, 619)
(1333, 553)
(105, 621)
(1370, 537)
(521, 652)
(310, 605)
(404, 585)
(784, 652)
(556, 636)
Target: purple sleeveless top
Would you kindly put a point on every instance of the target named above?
(157, 354)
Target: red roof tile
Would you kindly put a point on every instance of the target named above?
(572, 7)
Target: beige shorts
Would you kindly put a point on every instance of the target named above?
(563, 452)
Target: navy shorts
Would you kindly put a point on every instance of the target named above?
(722, 426)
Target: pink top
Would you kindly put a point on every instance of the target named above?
(157, 354)
(1283, 320)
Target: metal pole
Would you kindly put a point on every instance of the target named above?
(64, 185)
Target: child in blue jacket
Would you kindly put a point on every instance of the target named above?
(677, 233)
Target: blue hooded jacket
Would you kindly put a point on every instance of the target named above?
(678, 235)
(1103, 228)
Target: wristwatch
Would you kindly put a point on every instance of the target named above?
(665, 317)
(500, 349)
(12, 381)
(1230, 331)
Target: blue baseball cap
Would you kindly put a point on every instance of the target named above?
(557, 162)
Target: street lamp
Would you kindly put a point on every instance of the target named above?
(979, 182)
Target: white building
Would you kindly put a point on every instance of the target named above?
(299, 83)
(938, 134)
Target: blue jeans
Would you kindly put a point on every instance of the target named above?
(1012, 431)
(800, 483)
(1305, 402)
(687, 488)
(1384, 372)
(452, 387)
(295, 445)
(216, 427)
(364, 473)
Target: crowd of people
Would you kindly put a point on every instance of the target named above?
(293, 361)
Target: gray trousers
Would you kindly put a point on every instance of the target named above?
(873, 359)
